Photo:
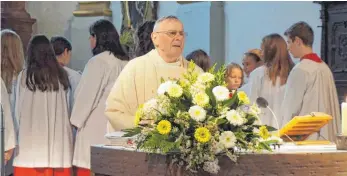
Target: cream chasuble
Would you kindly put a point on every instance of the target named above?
(136, 84)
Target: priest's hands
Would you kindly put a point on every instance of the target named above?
(146, 122)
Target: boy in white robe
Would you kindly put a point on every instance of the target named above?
(311, 86)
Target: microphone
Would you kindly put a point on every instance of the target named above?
(263, 103)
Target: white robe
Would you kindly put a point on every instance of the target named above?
(45, 137)
(9, 132)
(260, 85)
(311, 88)
(87, 115)
(74, 78)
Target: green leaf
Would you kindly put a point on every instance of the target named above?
(265, 146)
(270, 128)
(132, 131)
(250, 121)
(212, 97)
(221, 121)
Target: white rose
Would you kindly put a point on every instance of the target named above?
(228, 139)
(197, 113)
(221, 93)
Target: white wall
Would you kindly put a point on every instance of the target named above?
(52, 17)
(248, 22)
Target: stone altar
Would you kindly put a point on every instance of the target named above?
(291, 160)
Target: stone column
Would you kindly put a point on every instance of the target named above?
(15, 17)
(85, 14)
(204, 23)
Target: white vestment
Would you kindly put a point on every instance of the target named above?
(87, 115)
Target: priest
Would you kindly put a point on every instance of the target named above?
(139, 80)
(310, 86)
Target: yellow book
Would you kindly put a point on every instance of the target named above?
(301, 127)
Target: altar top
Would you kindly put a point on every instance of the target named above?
(287, 148)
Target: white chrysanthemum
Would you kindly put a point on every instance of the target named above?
(175, 90)
(221, 93)
(205, 77)
(228, 139)
(164, 87)
(201, 99)
(197, 113)
(235, 118)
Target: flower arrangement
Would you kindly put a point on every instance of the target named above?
(196, 118)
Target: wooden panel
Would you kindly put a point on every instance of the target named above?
(109, 162)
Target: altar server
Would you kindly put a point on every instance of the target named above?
(45, 138)
(140, 79)
(12, 61)
(269, 80)
(310, 86)
(62, 49)
(98, 77)
(10, 135)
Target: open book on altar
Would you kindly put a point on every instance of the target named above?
(301, 127)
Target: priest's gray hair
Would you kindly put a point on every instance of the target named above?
(170, 17)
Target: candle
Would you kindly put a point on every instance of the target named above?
(344, 118)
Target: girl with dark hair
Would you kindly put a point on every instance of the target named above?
(251, 60)
(200, 58)
(45, 136)
(143, 38)
(98, 78)
(269, 81)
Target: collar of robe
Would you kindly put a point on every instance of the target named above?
(313, 57)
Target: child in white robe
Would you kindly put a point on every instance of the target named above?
(269, 80)
(234, 76)
(98, 78)
(45, 137)
(12, 61)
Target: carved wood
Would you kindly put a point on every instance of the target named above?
(334, 43)
(15, 17)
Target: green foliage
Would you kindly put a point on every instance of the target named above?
(159, 142)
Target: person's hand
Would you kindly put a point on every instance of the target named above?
(146, 122)
(8, 154)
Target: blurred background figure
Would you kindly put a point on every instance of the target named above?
(200, 58)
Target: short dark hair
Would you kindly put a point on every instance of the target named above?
(200, 58)
(143, 39)
(301, 30)
(254, 56)
(59, 44)
(107, 39)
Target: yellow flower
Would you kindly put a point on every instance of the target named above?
(201, 99)
(243, 97)
(202, 135)
(138, 115)
(263, 132)
(164, 127)
(174, 90)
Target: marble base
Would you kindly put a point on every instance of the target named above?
(341, 142)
